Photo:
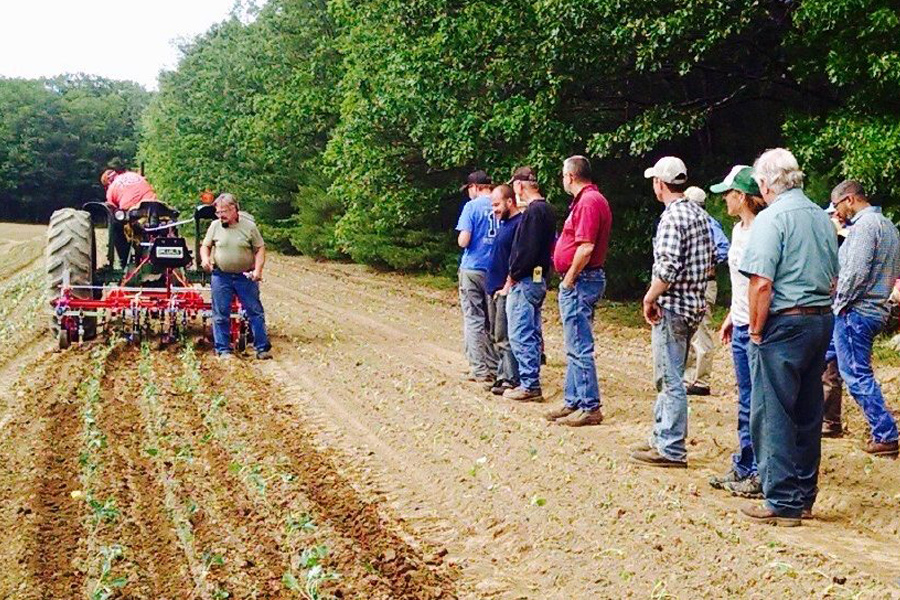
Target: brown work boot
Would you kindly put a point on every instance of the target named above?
(521, 394)
(559, 413)
(830, 429)
(652, 458)
(886, 449)
(760, 513)
(583, 418)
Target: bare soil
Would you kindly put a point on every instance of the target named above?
(358, 464)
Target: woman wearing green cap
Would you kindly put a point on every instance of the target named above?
(743, 200)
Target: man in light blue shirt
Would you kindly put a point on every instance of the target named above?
(791, 260)
(477, 229)
(870, 264)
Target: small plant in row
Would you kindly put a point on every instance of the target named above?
(94, 443)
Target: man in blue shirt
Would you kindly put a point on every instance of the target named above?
(477, 229)
(503, 203)
(791, 260)
(699, 362)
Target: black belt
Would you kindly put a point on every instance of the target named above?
(805, 310)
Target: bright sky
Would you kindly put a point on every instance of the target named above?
(118, 39)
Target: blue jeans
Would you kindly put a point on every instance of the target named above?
(670, 339)
(853, 337)
(523, 316)
(743, 461)
(786, 406)
(224, 287)
(507, 368)
(576, 309)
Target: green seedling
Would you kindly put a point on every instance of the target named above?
(302, 523)
(105, 511)
(538, 501)
(221, 594)
(211, 559)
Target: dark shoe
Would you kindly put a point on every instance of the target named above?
(559, 413)
(886, 449)
(263, 355)
(697, 390)
(521, 394)
(543, 359)
(501, 386)
(719, 481)
(748, 487)
(832, 430)
(760, 513)
(583, 418)
(652, 458)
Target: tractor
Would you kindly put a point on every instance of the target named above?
(159, 290)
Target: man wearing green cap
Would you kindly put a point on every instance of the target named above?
(742, 200)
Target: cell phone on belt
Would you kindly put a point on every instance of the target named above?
(537, 275)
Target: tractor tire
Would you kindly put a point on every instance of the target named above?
(71, 247)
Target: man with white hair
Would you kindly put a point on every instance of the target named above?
(791, 260)
(699, 362)
(674, 306)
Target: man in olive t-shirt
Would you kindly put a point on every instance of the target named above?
(234, 251)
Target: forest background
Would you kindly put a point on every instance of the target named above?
(347, 126)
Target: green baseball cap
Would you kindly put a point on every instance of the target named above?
(740, 178)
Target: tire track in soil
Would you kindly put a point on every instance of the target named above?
(43, 522)
(156, 564)
(404, 570)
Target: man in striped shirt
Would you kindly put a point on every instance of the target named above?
(674, 306)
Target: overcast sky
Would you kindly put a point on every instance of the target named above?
(118, 39)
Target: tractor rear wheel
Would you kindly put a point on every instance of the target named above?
(71, 248)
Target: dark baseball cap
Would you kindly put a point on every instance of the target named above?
(477, 178)
(523, 174)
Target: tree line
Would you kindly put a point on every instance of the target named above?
(347, 126)
(57, 134)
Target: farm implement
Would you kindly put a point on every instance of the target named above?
(160, 289)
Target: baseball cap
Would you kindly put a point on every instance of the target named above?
(669, 169)
(523, 174)
(695, 195)
(477, 178)
(830, 209)
(739, 178)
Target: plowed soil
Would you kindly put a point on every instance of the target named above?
(358, 464)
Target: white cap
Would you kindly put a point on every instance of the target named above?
(669, 169)
(695, 195)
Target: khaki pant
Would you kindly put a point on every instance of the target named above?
(703, 344)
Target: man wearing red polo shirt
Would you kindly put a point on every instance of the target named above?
(579, 256)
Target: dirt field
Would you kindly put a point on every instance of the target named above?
(357, 464)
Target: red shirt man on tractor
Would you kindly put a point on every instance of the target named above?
(124, 191)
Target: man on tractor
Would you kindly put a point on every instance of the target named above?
(124, 190)
(234, 251)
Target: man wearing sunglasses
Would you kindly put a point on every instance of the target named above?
(869, 266)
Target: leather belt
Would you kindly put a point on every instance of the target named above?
(805, 310)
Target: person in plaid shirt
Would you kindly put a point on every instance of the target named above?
(674, 306)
